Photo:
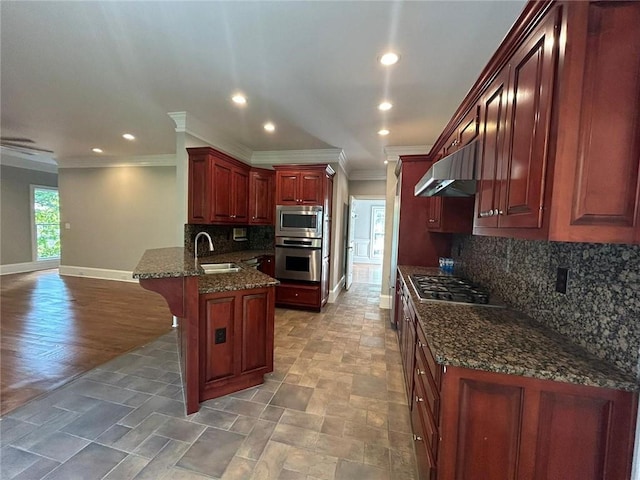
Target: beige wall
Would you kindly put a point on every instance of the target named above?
(366, 187)
(340, 197)
(15, 211)
(116, 214)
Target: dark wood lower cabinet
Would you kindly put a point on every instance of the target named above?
(498, 426)
(268, 265)
(301, 295)
(473, 424)
(236, 340)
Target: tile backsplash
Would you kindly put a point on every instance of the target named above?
(601, 309)
(260, 238)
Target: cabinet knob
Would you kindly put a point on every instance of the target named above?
(420, 344)
(431, 220)
(417, 438)
(501, 212)
(419, 399)
(296, 295)
(420, 372)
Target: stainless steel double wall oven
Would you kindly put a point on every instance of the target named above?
(299, 242)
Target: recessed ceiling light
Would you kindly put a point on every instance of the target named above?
(239, 99)
(96, 150)
(383, 132)
(128, 136)
(385, 106)
(386, 161)
(389, 58)
(269, 127)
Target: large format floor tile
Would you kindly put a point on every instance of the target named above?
(334, 408)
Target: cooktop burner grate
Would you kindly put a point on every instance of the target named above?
(450, 289)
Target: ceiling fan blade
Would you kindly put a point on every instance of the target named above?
(25, 148)
(16, 139)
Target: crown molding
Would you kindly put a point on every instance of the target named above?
(106, 162)
(300, 157)
(393, 153)
(187, 123)
(364, 175)
(42, 163)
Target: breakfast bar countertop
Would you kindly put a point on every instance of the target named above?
(507, 341)
(171, 262)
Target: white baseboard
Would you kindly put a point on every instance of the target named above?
(385, 301)
(28, 266)
(335, 291)
(100, 273)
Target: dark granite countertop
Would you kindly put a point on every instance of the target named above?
(176, 262)
(507, 341)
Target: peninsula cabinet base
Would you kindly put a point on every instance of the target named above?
(235, 340)
(496, 426)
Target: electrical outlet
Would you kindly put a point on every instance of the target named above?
(562, 276)
(220, 335)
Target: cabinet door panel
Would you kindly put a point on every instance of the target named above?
(435, 213)
(528, 123)
(488, 430)
(287, 188)
(199, 189)
(311, 188)
(218, 360)
(607, 176)
(579, 422)
(240, 196)
(254, 332)
(222, 201)
(469, 126)
(493, 125)
(261, 204)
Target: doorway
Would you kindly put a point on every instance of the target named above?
(366, 240)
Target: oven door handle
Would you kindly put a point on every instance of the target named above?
(296, 243)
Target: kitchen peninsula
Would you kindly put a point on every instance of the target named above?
(225, 320)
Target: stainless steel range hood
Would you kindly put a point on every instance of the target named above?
(452, 176)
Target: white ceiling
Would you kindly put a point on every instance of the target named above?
(76, 75)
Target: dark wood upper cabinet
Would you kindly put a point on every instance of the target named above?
(596, 185)
(559, 125)
(218, 188)
(261, 197)
(528, 115)
(489, 168)
(300, 186)
(516, 128)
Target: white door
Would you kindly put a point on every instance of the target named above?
(350, 246)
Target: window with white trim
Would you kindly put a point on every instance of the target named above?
(45, 213)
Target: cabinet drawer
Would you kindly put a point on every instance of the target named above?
(429, 392)
(298, 294)
(426, 415)
(434, 368)
(424, 457)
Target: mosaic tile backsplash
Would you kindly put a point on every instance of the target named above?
(601, 309)
(260, 238)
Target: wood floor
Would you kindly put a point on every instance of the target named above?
(54, 328)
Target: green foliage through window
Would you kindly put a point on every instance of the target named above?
(46, 214)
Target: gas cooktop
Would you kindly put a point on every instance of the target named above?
(450, 289)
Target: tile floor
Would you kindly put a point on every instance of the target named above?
(334, 408)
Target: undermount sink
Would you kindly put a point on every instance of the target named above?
(220, 267)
